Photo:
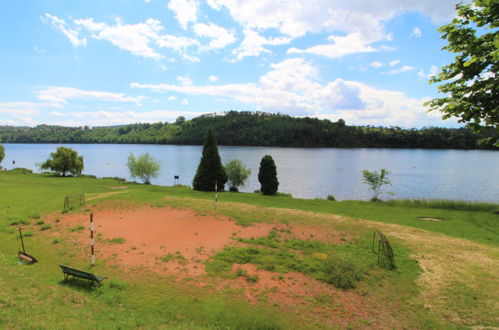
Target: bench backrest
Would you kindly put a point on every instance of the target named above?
(78, 273)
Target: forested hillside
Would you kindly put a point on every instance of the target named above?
(253, 129)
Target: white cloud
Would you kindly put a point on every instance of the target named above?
(299, 17)
(163, 67)
(213, 78)
(20, 108)
(185, 102)
(175, 42)
(340, 46)
(416, 33)
(376, 64)
(185, 11)
(253, 42)
(135, 38)
(60, 25)
(59, 96)
(220, 37)
(105, 117)
(171, 98)
(292, 86)
(394, 62)
(405, 68)
(431, 72)
(184, 81)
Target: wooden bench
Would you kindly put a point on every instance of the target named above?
(91, 278)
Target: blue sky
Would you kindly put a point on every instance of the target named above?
(114, 62)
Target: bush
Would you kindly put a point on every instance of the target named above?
(237, 174)
(145, 167)
(375, 181)
(2, 152)
(210, 168)
(64, 161)
(331, 198)
(267, 176)
(341, 274)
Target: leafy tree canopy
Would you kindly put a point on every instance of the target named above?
(237, 174)
(470, 83)
(210, 168)
(267, 176)
(145, 167)
(375, 180)
(64, 161)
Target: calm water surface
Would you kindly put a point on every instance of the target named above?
(307, 173)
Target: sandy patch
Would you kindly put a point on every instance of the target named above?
(167, 240)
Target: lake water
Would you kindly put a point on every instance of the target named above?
(307, 173)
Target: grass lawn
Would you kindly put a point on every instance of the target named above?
(446, 276)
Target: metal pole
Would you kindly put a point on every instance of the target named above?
(92, 240)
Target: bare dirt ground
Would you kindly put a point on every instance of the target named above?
(176, 242)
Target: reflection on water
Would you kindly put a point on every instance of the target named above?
(306, 173)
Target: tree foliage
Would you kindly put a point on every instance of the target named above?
(470, 83)
(237, 174)
(210, 168)
(64, 161)
(267, 176)
(2, 152)
(145, 167)
(376, 180)
(255, 129)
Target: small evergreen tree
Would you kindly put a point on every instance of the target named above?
(64, 161)
(210, 168)
(267, 175)
(145, 167)
(237, 174)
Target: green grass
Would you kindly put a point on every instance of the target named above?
(35, 296)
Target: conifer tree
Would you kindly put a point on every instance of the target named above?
(267, 175)
(210, 168)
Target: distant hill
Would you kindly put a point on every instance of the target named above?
(254, 129)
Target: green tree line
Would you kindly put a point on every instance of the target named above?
(255, 129)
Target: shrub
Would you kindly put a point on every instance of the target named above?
(64, 161)
(2, 152)
(341, 274)
(267, 176)
(375, 181)
(331, 198)
(237, 174)
(145, 167)
(210, 168)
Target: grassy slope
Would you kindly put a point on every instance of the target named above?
(37, 291)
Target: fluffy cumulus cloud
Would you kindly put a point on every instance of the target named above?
(186, 11)
(293, 86)
(355, 26)
(59, 96)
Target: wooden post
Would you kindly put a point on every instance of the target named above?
(92, 240)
